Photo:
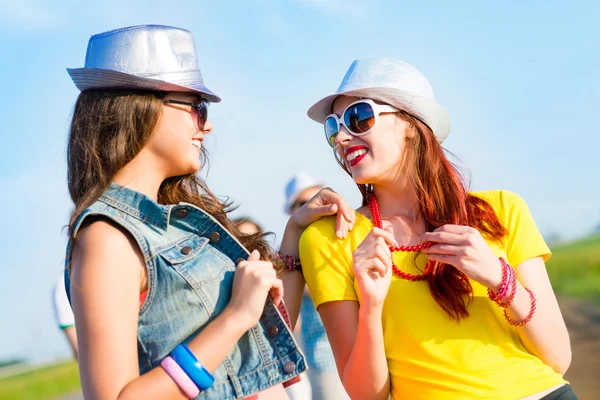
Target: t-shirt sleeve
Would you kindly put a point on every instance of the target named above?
(325, 263)
(62, 309)
(524, 240)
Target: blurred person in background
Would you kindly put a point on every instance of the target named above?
(322, 374)
(63, 314)
(247, 225)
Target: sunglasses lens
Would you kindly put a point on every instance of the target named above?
(331, 130)
(202, 113)
(359, 118)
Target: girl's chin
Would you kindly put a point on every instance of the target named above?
(361, 178)
(191, 168)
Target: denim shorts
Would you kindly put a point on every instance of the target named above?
(562, 393)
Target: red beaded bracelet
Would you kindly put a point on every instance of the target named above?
(528, 317)
(512, 279)
(292, 263)
(508, 285)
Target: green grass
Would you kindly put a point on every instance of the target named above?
(48, 382)
(574, 269)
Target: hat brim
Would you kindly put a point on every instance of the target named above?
(427, 110)
(97, 78)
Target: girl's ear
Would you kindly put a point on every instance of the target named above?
(411, 130)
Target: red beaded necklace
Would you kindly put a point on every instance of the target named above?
(374, 207)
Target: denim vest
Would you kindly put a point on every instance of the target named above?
(191, 260)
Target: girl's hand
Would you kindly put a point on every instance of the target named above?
(254, 280)
(326, 202)
(372, 265)
(464, 248)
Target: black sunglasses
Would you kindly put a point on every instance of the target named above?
(298, 204)
(201, 109)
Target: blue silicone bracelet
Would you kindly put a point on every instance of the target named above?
(192, 367)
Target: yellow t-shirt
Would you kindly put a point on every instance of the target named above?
(429, 355)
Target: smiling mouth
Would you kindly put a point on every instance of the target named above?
(355, 155)
(197, 143)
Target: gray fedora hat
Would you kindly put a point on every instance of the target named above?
(393, 82)
(146, 57)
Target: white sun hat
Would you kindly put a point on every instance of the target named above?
(393, 82)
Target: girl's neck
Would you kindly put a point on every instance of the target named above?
(397, 201)
(143, 177)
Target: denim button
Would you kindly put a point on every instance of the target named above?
(181, 213)
(239, 260)
(214, 237)
(289, 367)
(186, 250)
(273, 331)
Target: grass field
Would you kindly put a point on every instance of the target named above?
(48, 382)
(574, 269)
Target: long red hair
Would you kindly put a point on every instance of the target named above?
(442, 193)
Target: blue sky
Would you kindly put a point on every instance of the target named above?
(519, 79)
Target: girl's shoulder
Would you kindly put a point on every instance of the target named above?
(324, 228)
(502, 201)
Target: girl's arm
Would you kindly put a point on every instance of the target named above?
(358, 348)
(325, 203)
(107, 272)
(546, 335)
(355, 331)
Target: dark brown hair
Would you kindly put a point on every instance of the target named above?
(108, 129)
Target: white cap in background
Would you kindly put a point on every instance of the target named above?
(299, 183)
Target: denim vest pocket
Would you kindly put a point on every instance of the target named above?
(208, 271)
(184, 249)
